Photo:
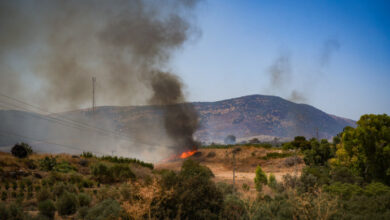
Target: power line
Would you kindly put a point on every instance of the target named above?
(46, 142)
(70, 121)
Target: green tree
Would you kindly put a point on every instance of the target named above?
(21, 150)
(366, 148)
(319, 153)
(260, 179)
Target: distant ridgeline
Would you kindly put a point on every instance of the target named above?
(248, 117)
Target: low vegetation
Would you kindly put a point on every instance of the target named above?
(347, 178)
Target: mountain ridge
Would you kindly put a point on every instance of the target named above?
(261, 116)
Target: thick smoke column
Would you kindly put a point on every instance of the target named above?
(51, 49)
(181, 120)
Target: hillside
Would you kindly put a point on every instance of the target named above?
(264, 117)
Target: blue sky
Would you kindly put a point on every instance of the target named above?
(241, 40)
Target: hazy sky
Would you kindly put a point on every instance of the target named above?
(333, 54)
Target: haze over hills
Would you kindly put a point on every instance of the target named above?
(264, 117)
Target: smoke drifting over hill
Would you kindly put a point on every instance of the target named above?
(49, 50)
(281, 74)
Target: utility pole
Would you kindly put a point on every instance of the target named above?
(318, 137)
(236, 150)
(93, 94)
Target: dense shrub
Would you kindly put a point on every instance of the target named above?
(30, 164)
(245, 187)
(47, 208)
(115, 159)
(83, 163)
(122, 172)
(233, 208)
(274, 155)
(225, 188)
(125, 191)
(21, 150)
(48, 163)
(107, 209)
(64, 167)
(67, 204)
(168, 179)
(272, 181)
(194, 196)
(260, 179)
(344, 175)
(191, 168)
(15, 212)
(101, 172)
(84, 199)
(291, 161)
(87, 155)
(108, 174)
(61, 188)
(44, 195)
(319, 153)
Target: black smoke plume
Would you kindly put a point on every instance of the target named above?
(49, 51)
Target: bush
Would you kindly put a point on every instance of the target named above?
(47, 208)
(64, 167)
(44, 195)
(234, 208)
(67, 204)
(195, 196)
(191, 168)
(107, 209)
(84, 199)
(225, 188)
(87, 155)
(272, 181)
(83, 163)
(126, 192)
(345, 190)
(60, 188)
(102, 173)
(15, 212)
(245, 187)
(291, 161)
(30, 164)
(260, 179)
(121, 172)
(48, 163)
(274, 155)
(83, 211)
(21, 150)
(168, 179)
(109, 174)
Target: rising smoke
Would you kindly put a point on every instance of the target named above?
(329, 47)
(281, 76)
(49, 50)
(281, 72)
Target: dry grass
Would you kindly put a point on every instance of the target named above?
(246, 162)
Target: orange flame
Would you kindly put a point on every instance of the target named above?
(187, 154)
